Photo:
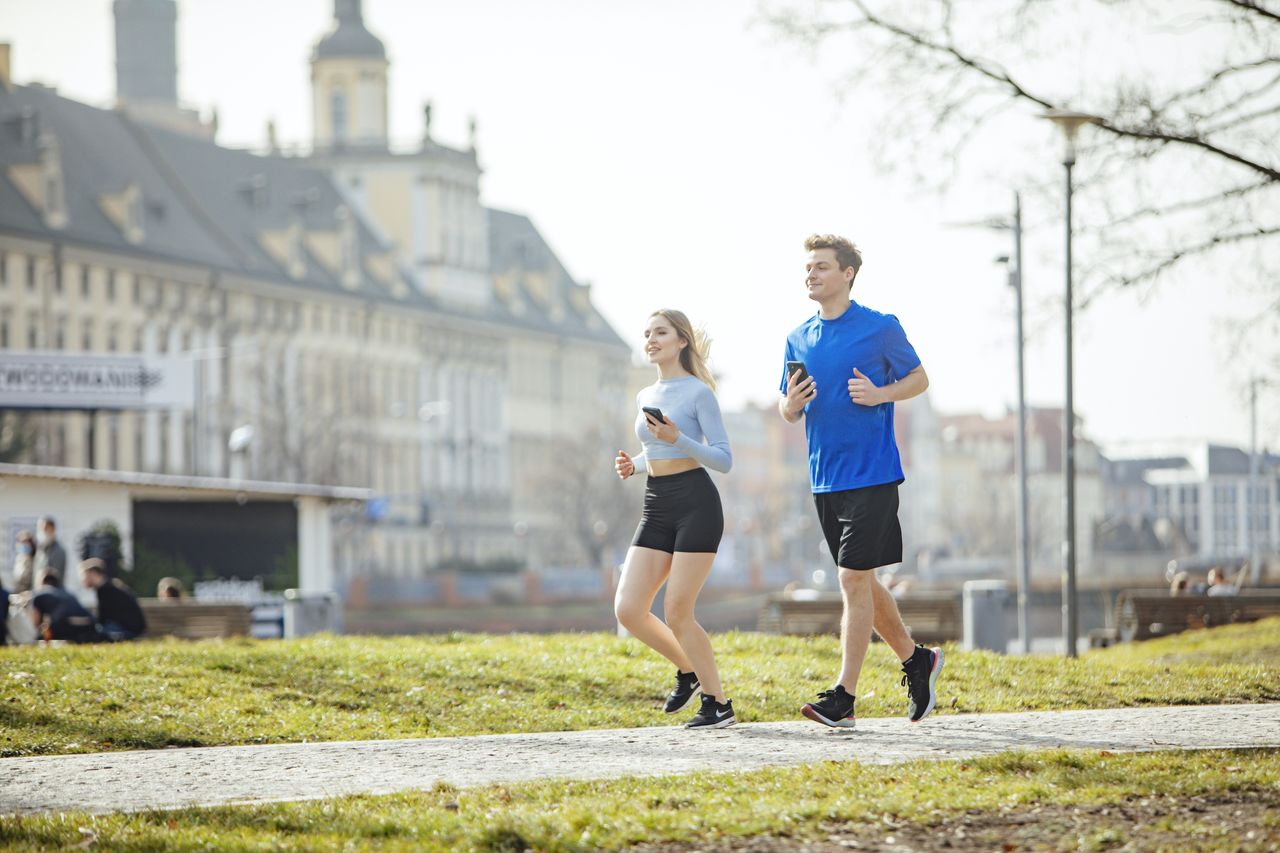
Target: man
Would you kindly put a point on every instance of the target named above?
(1218, 584)
(119, 615)
(58, 615)
(51, 557)
(858, 364)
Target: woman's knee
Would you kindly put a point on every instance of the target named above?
(628, 612)
(678, 613)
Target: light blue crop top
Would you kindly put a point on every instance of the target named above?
(691, 406)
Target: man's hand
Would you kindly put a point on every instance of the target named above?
(798, 396)
(623, 465)
(864, 392)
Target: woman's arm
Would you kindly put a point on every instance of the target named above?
(715, 454)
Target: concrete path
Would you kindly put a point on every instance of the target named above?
(168, 778)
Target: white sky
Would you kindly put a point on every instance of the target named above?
(676, 154)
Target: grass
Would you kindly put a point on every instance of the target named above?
(155, 694)
(1212, 800)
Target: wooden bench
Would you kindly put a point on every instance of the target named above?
(931, 617)
(1145, 614)
(195, 620)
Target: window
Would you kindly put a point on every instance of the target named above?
(4, 269)
(86, 335)
(113, 337)
(60, 333)
(31, 275)
(33, 331)
(338, 115)
(57, 284)
(84, 281)
(111, 287)
(4, 331)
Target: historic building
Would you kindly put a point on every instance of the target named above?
(354, 316)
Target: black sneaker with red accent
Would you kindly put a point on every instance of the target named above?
(834, 708)
(920, 677)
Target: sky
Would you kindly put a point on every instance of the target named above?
(676, 154)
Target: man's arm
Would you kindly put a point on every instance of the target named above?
(866, 393)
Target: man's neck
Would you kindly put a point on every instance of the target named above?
(834, 308)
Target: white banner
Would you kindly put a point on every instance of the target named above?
(55, 380)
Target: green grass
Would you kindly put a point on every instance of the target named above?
(156, 694)
(1058, 800)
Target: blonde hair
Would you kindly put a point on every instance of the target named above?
(693, 357)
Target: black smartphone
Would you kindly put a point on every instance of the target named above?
(793, 366)
(653, 412)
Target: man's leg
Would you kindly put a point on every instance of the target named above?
(855, 626)
(888, 623)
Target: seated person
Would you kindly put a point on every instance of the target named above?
(1218, 583)
(119, 616)
(170, 589)
(58, 615)
(1180, 585)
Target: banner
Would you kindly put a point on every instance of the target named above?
(49, 380)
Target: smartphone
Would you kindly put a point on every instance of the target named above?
(793, 366)
(653, 412)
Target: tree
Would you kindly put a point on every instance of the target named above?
(1185, 163)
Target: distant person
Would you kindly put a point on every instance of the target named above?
(24, 562)
(843, 370)
(683, 519)
(119, 616)
(1217, 583)
(1180, 585)
(170, 589)
(50, 555)
(58, 615)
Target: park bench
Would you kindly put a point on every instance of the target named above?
(195, 620)
(1143, 614)
(933, 617)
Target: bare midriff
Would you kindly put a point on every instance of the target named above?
(667, 467)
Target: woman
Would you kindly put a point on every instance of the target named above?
(680, 530)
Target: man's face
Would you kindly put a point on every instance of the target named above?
(91, 580)
(823, 276)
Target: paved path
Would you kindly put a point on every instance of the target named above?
(167, 778)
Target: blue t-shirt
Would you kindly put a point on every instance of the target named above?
(850, 446)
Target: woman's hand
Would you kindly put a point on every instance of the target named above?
(663, 430)
(623, 465)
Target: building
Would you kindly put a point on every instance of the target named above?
(352, 317)
(1195, 497)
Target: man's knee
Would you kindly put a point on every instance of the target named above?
(853, 580)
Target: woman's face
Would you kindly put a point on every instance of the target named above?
(661, 343)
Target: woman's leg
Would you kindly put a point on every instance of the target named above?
(642, 575)
(688, 573)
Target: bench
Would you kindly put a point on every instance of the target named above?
(931, 617)
(195, 620)
(1143, 615)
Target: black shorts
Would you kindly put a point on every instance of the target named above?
(682, 512)
(861, 526)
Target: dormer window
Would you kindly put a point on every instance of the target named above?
(52, 185)
(297, 254)
(348, 248)
(134, 218)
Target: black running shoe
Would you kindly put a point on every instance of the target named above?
(687, 687)
(834, 708)
(712, 715)
(919, 676)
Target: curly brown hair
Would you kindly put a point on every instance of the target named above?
(847, 254)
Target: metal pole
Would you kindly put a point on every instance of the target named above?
(1069, 622)
(1251, 505)
(1024, 544)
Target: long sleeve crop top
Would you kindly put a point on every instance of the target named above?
(691, 406)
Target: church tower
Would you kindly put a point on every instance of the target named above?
(349, 84)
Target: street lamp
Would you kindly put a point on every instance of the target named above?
(1024, 538)
(1069, 123)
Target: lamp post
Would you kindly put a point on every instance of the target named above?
(1069, 123)
(1023, 532)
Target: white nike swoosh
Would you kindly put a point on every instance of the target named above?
(721, 714)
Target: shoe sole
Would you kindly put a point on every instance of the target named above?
(933, 681)
(697, 691)
(719, 724)
(812, 713)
